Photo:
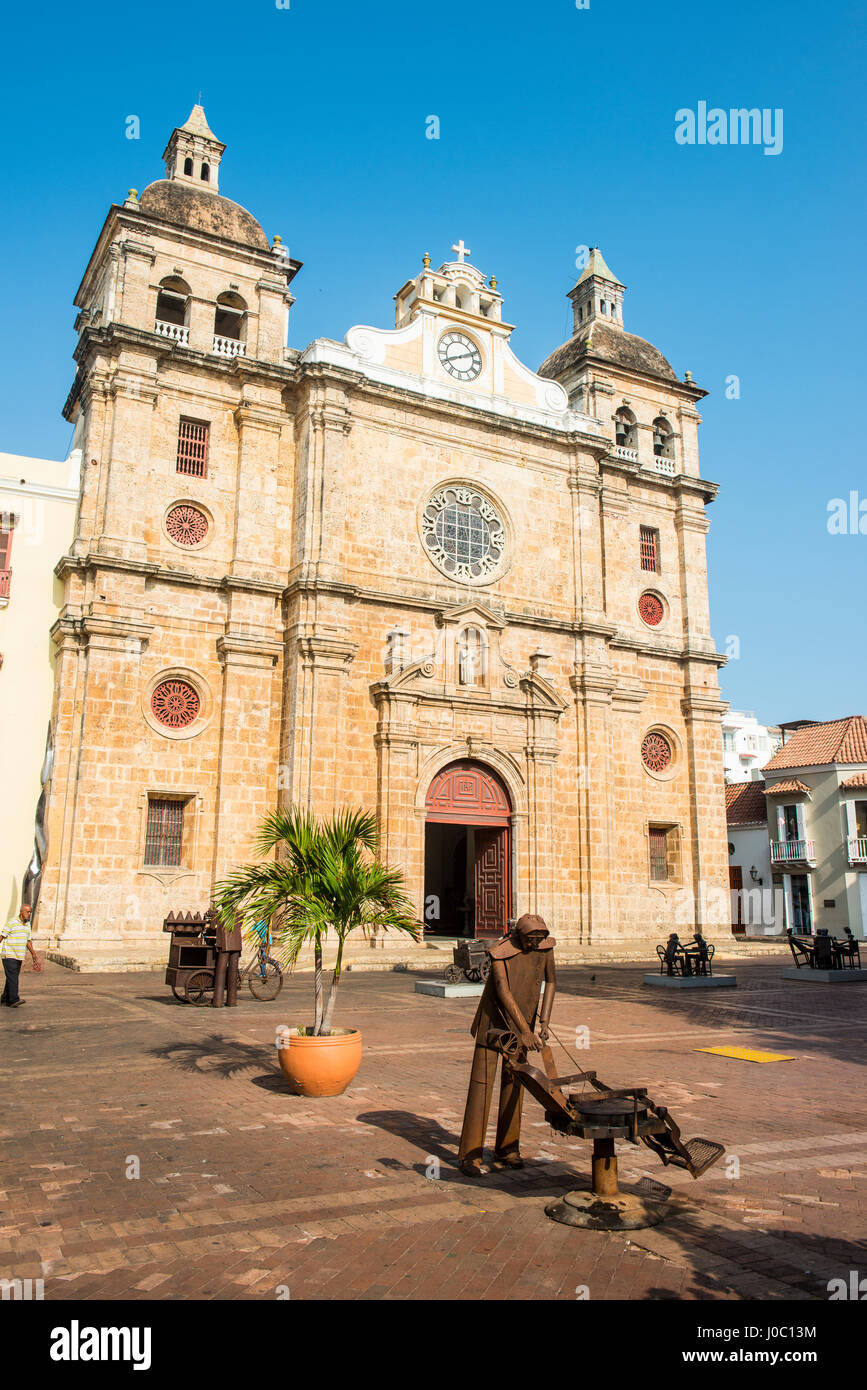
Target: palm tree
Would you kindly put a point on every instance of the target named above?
(327, 875)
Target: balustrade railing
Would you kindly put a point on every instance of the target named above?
(178, 332)
(666, 466)
(791, 851)
(228, 347)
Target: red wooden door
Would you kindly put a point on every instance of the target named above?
(736, 883)
(491, 881)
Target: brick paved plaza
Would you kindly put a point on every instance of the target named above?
(244, 1188)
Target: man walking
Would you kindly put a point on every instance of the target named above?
(15, 940)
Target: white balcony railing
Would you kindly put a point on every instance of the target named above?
(627, 455)
(228, 347)
(668, 467)
(792, 851)
(857, 849)
(178, 332)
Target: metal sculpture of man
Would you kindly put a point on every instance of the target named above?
(510, 1003)
(228, 946)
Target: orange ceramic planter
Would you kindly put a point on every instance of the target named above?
(319, 1066)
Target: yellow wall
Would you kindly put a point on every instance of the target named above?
(44, 503)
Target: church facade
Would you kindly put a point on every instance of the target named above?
(402, 571)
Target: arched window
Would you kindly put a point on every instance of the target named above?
(624, 429)
(471, 657)
(206, 172)
(229, 317)
(173, 308)
(188, 166)
(663, 443)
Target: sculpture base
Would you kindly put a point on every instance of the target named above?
(621, 1213)
(823, 977)
(692, 981)
(440, 989)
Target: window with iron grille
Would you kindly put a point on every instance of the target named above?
(649, 549)
(193, 447)
(165, 833)
(6, 522)
(658, 853)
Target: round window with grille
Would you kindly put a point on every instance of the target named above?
(186, 525)
(650, 610)
(656, 752)
(464, 534)
(176, 704)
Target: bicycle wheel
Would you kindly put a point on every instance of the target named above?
(265, 979)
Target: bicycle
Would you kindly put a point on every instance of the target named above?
(264, 975)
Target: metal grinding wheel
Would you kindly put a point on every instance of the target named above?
(604, 1207)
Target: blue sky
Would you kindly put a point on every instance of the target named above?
(556, 130)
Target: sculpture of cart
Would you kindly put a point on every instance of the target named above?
(193, 959)
(470, 961)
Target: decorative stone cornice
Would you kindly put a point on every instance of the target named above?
(695, 702)
(260, 417)
(629, 695)
(92, 563)
(112, 631)
(331, 653)
(241, 649)
(594, 683)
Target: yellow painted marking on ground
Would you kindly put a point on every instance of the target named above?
(747, 1054)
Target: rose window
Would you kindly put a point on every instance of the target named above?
(186, 525)
(656, 752)
(463, 534)
(651, 610)
(176, 704)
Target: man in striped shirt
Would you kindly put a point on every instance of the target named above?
(14, 942)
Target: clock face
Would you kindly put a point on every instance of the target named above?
(460, 356)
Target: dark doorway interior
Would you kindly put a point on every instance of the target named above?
(449, 876)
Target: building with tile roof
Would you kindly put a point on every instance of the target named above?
(757, 905)
(816, 791)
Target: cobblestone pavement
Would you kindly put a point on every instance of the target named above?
(246, 1191)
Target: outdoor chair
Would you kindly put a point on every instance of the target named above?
(803, 950)
(848, 951)
(666, 967)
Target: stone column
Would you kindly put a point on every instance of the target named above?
(259, 425)
(96, 839)
(593, 685)
(702, 709)
(126, 458)
(247, 768)
(325, 659)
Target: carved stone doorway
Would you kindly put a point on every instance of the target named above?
(467, 853)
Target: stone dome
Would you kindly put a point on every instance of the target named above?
(611, 345)
(169, 200)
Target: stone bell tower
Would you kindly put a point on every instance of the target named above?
(598, 295)
(193, 153)
(171, 608)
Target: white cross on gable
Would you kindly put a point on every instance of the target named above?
(461, 250)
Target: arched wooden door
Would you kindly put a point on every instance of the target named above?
(469, 794)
